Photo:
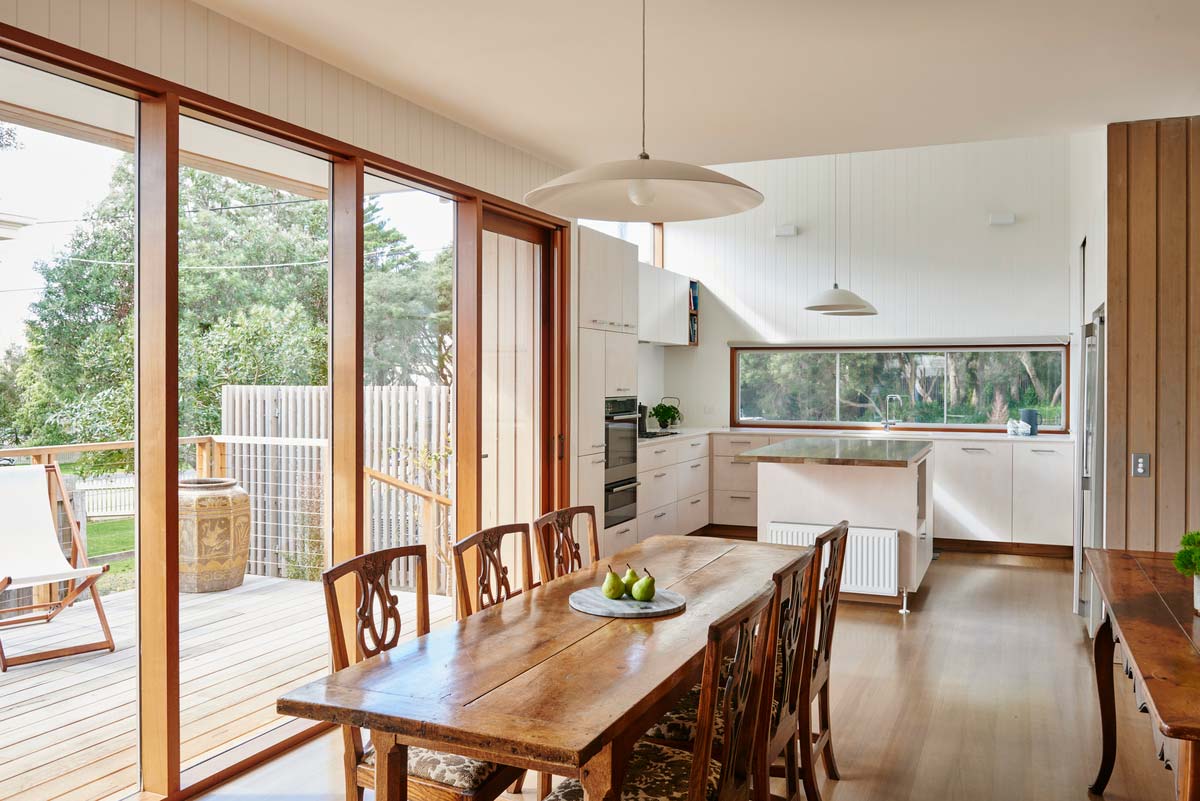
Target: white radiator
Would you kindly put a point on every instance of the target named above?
(872, 554)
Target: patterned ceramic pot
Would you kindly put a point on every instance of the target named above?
(214, 534)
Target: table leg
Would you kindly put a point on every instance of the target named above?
(1187, 781)
(391, 767)
(1103, 656)
(604, 774)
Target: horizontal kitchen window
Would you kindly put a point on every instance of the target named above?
(971, 388)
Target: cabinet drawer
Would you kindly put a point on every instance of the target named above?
(590, 483)
(692, 513)
(733, 444)
(657, 488)
(692, 448)
(618, 538)
(656, 455)
(734, 474)
(691, 478)
(972, 490)
(732, 508)
(781, 439)
(657, 522)
(1043, 499)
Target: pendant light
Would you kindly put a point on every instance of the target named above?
(644, 189)
(838, 302)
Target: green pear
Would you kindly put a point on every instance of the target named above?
(630, 578)
(612, 587)
(643, 590)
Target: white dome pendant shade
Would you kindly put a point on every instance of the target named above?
(838, 302)
(644, 189)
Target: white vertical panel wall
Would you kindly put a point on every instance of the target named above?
(189, 44)
(912, 237)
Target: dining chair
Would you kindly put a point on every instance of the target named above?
(558, 547)
(432, 775)
(718, 768)
(492, 586)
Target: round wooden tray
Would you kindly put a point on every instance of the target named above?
(592, 601)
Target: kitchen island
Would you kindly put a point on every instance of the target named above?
(881, 486)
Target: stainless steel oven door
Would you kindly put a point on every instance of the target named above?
(620, 447)
(620, 503)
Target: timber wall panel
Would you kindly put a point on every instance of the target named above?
(190, 44)
(1153, 325)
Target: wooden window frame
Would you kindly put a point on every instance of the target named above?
(735, 350)
(156, 364)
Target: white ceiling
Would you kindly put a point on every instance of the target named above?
(744, 80)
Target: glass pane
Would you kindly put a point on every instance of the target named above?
(915, 381)
(253, 400)
(66, 384)
(637, 233)
(408, 379)
(787, 386)
(991, 387)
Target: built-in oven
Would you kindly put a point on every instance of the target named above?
(620, 460)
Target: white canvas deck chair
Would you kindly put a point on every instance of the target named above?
(30, 555)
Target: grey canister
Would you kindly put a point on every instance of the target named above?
(1031, 418)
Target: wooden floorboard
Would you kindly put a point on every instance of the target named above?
(985, 693)
(68, 727)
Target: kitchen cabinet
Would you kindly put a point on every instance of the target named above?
(618, 538)
(691, 513)
(1043, 486)
(657, 523)
(589, 479)
(734, 444)
(658, 487)
(608, 282)
(973, 490)
(655, 454)
(620, 364)
(691, 478)
(662, 306)
(734, 508)
(731, 473)
(592, 391)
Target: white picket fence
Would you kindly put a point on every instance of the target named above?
(108, 496)
(276, 447)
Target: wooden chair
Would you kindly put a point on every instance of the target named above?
(829, 556)
(30, 556)
(719, 768)
(558, 547)
(491, 581)
(432, 776)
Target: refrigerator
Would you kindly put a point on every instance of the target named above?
(1091, 469)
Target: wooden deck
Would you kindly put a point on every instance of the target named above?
(68, 727)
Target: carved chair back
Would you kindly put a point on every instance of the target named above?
(492, 584)
(735, 693)
(832, 542)
(793, 606)
(558, 546)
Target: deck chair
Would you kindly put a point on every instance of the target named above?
(30, 555)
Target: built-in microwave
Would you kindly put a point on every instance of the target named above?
(620, 460)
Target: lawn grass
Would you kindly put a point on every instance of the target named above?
(109, 536)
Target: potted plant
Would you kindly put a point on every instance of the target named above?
(1187, 562)
(666, 414)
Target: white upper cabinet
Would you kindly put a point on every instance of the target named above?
(608, 290)
(591, 391)
(620, 364)
(662, 306)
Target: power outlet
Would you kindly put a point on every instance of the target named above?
(1139, 466)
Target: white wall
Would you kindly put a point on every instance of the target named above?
(189, 44)
(912, 237)
(651, 371)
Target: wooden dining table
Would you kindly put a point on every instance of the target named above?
(1148, 608)
(535, 684)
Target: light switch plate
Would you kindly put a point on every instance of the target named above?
(1139, 466)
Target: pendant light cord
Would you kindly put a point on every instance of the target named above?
(643, 154)
(835, 220)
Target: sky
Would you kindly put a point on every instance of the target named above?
(53, 178)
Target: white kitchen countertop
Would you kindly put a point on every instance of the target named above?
(687, 433)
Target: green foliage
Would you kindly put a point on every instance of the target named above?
(1187, 560)
(667, 414)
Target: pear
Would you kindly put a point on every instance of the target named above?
(630, 578)
(612, 587)
(643, 590)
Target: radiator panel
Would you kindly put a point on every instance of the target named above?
(872, 554)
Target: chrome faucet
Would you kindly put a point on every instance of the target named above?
(888, 420)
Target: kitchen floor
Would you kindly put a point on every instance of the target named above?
(985, 692)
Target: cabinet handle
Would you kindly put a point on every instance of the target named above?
(975, 450)
(696, 444)
(739, 442)
(694, 466)
(660, 514)
(739, 497)
(628, 325)
(660, 475)
(1043, 450)
(624, 389)
(622, 531)
(601, 445)
(602, 322)
(661, 450)
(739, 462)
(597, 461)
(695, 501)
